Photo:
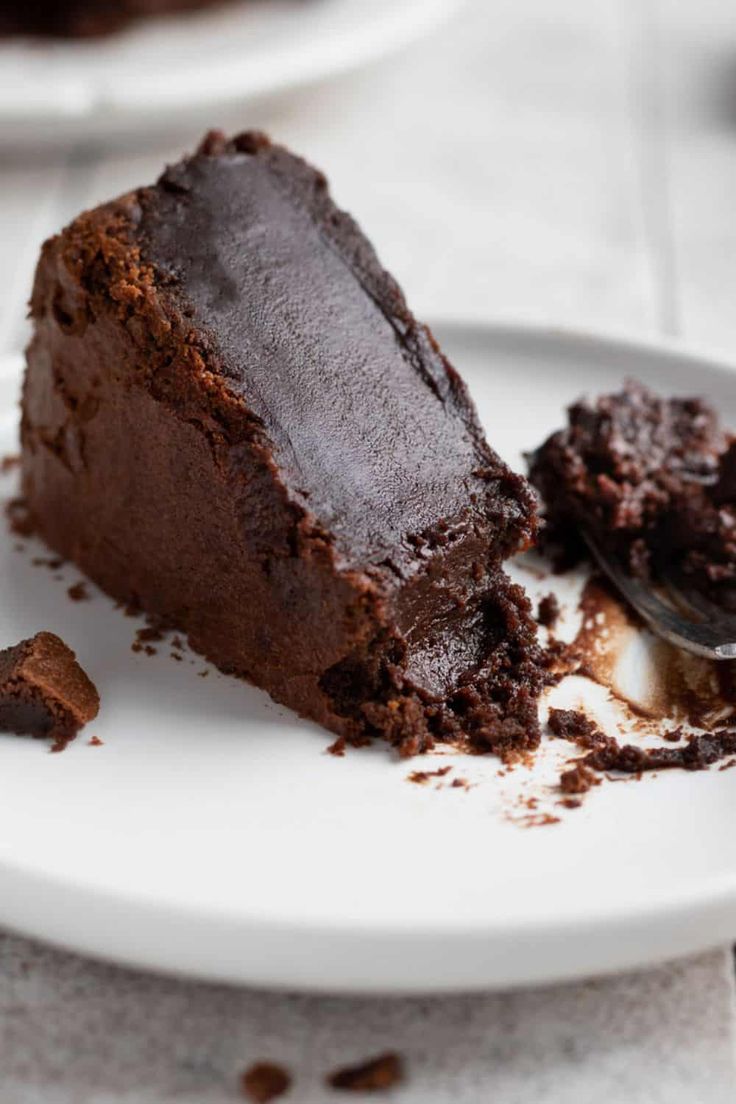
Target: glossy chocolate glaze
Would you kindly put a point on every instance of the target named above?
(372, 430)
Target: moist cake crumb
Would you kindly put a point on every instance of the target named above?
(605, 753)
(44, 691)
(19, 518)
(78, 592)
(652, 479)
(548, 611)
(9, 463)
(53, 563)
(422, 776)
(578, 779)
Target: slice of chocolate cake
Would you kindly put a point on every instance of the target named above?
(654, 479)
(232, 419)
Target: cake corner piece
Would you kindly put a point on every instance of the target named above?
(44, 691)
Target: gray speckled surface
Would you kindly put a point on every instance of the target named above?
(76, 1032)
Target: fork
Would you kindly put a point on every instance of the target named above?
(674, 611)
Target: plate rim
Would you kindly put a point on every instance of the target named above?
(82, 103)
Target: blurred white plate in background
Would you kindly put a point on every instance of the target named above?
(157, 73)
(211, 835)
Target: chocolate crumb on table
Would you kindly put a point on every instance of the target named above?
(265, 1081)
(44, 691)
(376, 1075)
(95, 741)
(78, 592)
(9, 463)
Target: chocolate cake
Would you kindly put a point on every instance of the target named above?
(44, 691)
(85, 18)
(654, 479)
(232, 419)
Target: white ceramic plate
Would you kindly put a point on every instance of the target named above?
(187, 67)
(212, 836)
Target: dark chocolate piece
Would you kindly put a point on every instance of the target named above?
(376, 1075)
(44, 691)
(232, 420)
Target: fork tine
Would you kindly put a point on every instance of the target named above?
(682, 590)
(699, 637)
(690, 599)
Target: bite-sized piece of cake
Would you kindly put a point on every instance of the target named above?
(232, 419)
(84, 18)
(44, 691)
(653, 478)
